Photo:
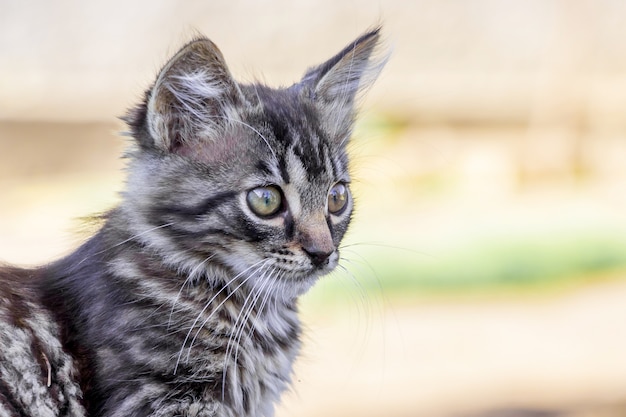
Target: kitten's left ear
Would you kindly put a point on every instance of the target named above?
(192, 100)
(335, 85)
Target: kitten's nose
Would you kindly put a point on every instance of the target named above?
(317, 255)
(317, 243)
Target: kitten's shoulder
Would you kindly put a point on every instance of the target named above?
(37, 377)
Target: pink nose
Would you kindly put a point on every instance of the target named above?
(317, 255)
(317, 242)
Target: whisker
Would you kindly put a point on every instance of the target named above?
(188, 279)
(207, 304)
(385, 246)
(266, 297)
(364, 300)
(268, 294)
(363, 262)
(239, 327)
(125, 241)
(265, 262)
(371, 307)
(352, 279)
(255, 131)
(384, 304)
(266, 280)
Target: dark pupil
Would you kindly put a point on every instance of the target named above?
(265, 197)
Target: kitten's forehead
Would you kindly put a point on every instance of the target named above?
(306, 157)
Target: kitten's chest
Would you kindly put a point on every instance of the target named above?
(222, 353)
(256, 355)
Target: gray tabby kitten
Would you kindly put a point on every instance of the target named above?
(184, 303)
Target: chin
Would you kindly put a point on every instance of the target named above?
(298, 285)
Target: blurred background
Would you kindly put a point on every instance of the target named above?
(485, 272)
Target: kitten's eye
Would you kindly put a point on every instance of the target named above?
(264, 201)
(337, 198)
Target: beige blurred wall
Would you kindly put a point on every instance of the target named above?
(466, 61)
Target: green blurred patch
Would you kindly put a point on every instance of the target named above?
(517, 265)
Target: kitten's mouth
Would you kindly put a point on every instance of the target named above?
(310, 269)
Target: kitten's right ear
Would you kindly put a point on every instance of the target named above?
(335, 85)
(191, 100)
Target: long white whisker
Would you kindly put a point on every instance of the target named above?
(246, 279)
(266, 280)
(384, 305)
(190, 276)
(240, 323)
(125, 241)
(255, 131)
(364, 262)
(207, 304)
(385, 246)
(363, 300)
(266, 296)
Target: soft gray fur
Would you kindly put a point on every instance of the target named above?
(185, 302)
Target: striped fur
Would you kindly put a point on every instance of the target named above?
(185, 302)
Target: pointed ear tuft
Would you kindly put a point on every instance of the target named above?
(192, 98)
(336, 84)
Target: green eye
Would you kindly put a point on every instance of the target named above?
(337, 198)
(264, 201)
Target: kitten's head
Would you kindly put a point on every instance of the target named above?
(246, 177)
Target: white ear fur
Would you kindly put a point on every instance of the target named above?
(191, 97)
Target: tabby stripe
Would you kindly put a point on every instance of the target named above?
(244, 229)
(248, 234)
(333, 163)
(310, 161)
(263, 167)
(282, 166)
(8, 402)
(251, 233)
(320, 151)
(209, 204)
(290, 227)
